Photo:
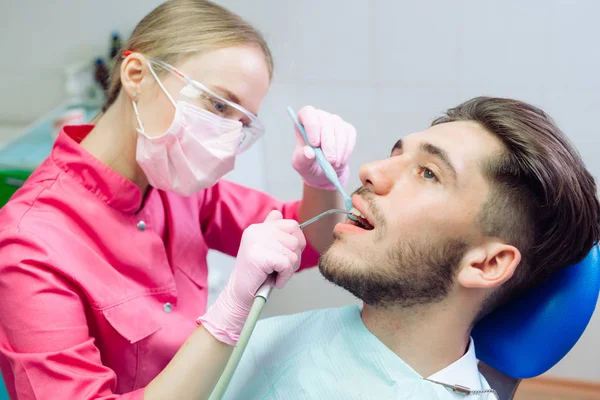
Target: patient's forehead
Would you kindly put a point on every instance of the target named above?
(466, 143)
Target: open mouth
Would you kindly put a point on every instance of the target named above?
(361, 222)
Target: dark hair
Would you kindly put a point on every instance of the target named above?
(543, 200)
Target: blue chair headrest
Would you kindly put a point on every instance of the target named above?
(530, 334)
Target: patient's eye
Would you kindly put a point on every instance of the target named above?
(428, 174)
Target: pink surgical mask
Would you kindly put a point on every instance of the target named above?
(196, 151)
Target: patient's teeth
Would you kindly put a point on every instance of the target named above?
(354, 211)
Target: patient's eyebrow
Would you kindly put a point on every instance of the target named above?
(397, 146)
(440, 154)
(433, 150)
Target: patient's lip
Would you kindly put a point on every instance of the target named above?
(349, 228)
(362, 206)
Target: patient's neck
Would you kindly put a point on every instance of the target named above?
(428, 338)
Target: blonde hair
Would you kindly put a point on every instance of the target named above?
(178, 29)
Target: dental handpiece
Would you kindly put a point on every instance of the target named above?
(323, 163)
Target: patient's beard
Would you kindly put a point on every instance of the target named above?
(407, 275)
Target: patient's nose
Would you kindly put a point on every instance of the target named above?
(375, 176)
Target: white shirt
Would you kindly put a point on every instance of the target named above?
(463, 372)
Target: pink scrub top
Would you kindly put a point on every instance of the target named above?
(98, 290)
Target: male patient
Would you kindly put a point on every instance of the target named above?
(486, 203)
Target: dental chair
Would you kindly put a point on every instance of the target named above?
(532, 333)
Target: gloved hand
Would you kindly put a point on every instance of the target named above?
(335, 137)
(272, 246)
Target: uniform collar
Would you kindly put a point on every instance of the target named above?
(98, 178)
(463, 372)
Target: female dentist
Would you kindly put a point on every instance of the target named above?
(103, 269)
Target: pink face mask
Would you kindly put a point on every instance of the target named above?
(194, 153)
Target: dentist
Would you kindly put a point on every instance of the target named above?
(103, 270)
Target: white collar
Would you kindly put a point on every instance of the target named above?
(463, 371)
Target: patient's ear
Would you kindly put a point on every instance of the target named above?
(488, 265)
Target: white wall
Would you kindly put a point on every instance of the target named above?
(39, 38)
(387, 66)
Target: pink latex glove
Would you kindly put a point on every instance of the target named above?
(335, 137)
(272, 246)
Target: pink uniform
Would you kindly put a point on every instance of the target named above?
(97, 296)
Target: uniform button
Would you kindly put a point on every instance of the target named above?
(168, 307)
(141, 226)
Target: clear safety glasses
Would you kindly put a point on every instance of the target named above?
(252, 127)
